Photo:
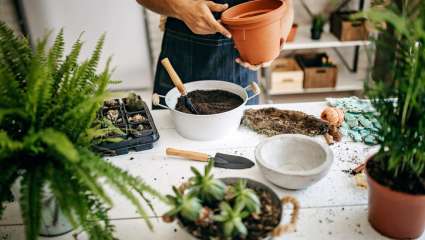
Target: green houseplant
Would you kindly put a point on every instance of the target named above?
(317, 26)
(396, 174)
(228, 208)
(48, 103)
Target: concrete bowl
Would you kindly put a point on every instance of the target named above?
(293, 161)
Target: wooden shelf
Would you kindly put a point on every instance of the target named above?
(328, 40)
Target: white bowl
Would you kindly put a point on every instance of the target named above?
(212, 126)
(293, 161)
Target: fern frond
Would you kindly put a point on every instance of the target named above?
(59, 144)
(31, 195)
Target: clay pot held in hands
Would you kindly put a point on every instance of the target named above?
(395, 214)
(256, 28)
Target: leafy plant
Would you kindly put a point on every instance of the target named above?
(133, 102)
(231, 218)
(48, 103)
(206, 187)
(104, 130)
(318, 22)
(400, 99)
(187, 205)
(245, 197)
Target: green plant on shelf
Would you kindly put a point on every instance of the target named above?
(400, 99)
(48, 103)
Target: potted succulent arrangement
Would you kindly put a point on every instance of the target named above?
(396, 174)
(228, 208)
(317, 26)
(48, 104)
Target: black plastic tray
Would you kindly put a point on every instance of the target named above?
(143, 140)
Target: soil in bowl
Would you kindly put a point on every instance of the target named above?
(210, 101)
(258, 227)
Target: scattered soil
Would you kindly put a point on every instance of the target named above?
(210, 101)
(258, 227)
(404, 182)
(272, 121)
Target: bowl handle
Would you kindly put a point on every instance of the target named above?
(291, 226)
(253, 86)
(156, 100)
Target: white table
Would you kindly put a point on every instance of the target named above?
(334, 208)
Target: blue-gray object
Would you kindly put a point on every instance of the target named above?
(360, 119)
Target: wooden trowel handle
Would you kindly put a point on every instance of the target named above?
(197, 156)
(174, 76)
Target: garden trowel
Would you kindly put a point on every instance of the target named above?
(221, 160)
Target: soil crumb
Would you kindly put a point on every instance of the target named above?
(210, 101)
(272, 121)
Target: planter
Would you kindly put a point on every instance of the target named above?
(256, 23)
(346, 29)
(316, 34)
(292, 33)
(207, 127)
(316, 73)
(395, 214)
(275, 229)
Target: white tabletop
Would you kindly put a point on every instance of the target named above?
(334, 208)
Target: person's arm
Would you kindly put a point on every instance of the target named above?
(197, 15)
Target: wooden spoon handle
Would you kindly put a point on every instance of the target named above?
(174, 76)
(197, 156)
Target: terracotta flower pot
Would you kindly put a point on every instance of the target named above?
(395, 214)
(256, 28)
(292, 33)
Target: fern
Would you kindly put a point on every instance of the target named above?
(48, 105)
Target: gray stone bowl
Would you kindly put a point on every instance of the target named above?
(293, 161)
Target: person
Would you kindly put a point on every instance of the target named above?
(199, 46)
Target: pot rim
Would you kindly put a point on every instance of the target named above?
(324, 166)
(172, 109)
(382, 187)
(270, 16)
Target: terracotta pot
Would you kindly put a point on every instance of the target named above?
(395, 214)
(256, 28)
(292, 33)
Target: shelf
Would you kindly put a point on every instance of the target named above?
(328, 40)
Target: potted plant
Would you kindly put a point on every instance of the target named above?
(317, 26)
(228, 208)
(396, 174)
(48, 102)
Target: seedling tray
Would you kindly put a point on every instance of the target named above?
(134, 139)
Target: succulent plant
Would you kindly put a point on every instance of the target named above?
(231, 219)
(245, 196)
(206, 187)
(133, 102)
(187, 205)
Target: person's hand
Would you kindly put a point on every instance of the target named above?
(197, 15)
(288, 20)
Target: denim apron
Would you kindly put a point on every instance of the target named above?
(200, 57)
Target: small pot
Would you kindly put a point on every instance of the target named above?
(256, 28)
(292, 33)
(280, 203)
(212, 126)
(316, 34)
(395, 214)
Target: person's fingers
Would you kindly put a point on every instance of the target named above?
(216, 7)
(267, 64)
(218, 27)
(247, 65)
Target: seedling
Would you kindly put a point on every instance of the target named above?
(245, 197)
(231, 219)
(186, 205)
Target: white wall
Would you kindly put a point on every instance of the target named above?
(7, 14)
(122, 20)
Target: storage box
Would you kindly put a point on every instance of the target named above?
(315, 74)
(346, 29)
(286, 76)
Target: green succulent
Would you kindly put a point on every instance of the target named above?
(206, 187)
(133, 102)
(246, 197)
(231, 219)
(187, 205)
